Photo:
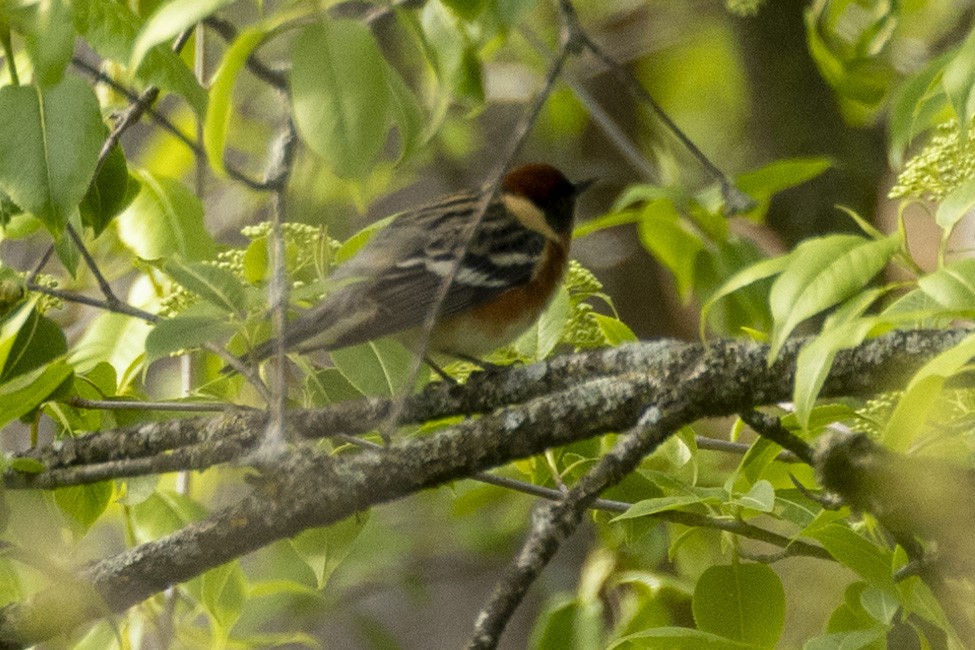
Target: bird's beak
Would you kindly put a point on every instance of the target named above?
(582, 186)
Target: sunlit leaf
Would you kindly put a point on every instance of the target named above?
(26, 392)
(164, 220)
(821, 273)
(915, 404)
(955, 206)
(84, 504)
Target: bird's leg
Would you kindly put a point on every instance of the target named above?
(486, 366)
(440, 371)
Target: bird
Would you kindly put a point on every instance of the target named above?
(512, 267)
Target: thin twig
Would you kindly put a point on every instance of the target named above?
(279, 170)
(134, 405)
(714, 444)
(103, 283)
(132, 115)
(623, 143)
(137, 107)
(118, 307)
(41, 263)
(167, 125)
(793, 547)
(736, 200)
(770, 427)
(228, 32)
(554, 522)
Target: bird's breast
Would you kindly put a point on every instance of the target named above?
(503, 319)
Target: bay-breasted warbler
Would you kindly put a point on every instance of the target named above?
(511, 268)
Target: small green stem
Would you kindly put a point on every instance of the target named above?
(8, 53)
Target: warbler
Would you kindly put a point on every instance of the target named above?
(511, 268)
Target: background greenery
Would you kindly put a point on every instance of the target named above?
(845, 120)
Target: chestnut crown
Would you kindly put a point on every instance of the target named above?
(548, 190)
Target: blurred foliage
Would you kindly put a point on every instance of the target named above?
(803, 104)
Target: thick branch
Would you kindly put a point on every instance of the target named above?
(681, 383)
(639, 375)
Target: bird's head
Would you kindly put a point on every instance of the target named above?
(542, 198)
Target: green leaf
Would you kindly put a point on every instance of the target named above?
(217, 120)
(354, 244)
(952, 286)
(760, 497)
(916, 105)
(102, 378)
(115, 338)
(638, 196)
(49, 36)
(27, 465)
(164, 220)
(23, 394)
(466, 9)
(65, 248)
(39, 341)
(84, 504)
(540, 339)
(569, 623)
(323, 549)
(794, 507)
(452, 54)
(223, 593)
(847, 640)
(374, 368)
(406, 113)
(340, 94)
(880, 604)
(869, 561)
(609, 220)
(742, 602)
(649, 507)
(11, 325)
(162, 513)
(958, 81)
(111, 192)
(666, 238)
(616, 331)
(328, 386)
(746, 277)
(816, 358)
(183, 332)
(926, 310)
(821, 273)
(676, 638)
(218, 286)
(915, 404)
(110, 27)
(756, 460)
(169, 20)
(49, 143)
(955, 206)
(761, 184)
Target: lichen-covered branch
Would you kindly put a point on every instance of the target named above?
(548, 404)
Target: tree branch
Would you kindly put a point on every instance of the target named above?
(674, 383)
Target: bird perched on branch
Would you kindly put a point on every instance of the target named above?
(510, 270)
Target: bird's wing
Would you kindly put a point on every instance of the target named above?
(394, 281)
